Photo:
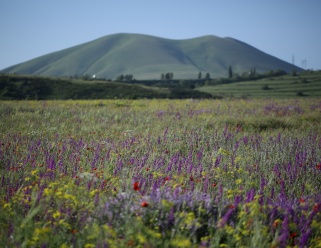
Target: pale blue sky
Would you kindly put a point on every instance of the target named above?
(282, 28)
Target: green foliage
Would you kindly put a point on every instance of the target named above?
(230, 72)
(300, 93)
(169, 76)
(40, 88)
(177, 93)
(207, 76)
(199, 75)
(127, 77)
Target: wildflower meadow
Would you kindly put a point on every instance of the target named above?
(160, 173)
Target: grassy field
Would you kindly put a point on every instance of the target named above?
(160, 173)
(306, 85)
(26, 87)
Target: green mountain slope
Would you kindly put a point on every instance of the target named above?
(147, 57)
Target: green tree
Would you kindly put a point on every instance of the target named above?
(169, 75)
(199, 75)
(128, 77)
(120, 78)
(253, 72)
(230, 72)
(207, 76)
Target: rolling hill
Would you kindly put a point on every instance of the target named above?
(147, 57)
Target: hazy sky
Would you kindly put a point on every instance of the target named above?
(282, 28)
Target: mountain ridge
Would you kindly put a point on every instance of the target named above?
(147, 57)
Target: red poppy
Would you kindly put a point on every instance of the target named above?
(275, 223)
(293, 235)
(136, 186)
(316, 207)
(214, 184)
(231, 206)
(301, 200)
(166, 178)
(318, 166)
(144, 204)
(191, 178)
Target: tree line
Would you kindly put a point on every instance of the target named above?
(202, 77)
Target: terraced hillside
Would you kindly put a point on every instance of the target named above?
(307, 84)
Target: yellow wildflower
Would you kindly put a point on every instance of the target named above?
(223, 152)
(205, 238)
(245, 232)
(154, 234)
(47, 192)
(237, 237)
(63, 223)
(238, 159)
(181, 242)
(109, 230)
(7, 205)
(58, 193)
(229, 229)
(167, 204)
(56, 215)
(141, 238)
(93, 192)
(238, 181)
(70, 197)
(89, 245)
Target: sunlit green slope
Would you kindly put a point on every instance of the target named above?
(147, 57)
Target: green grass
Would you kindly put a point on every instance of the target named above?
(18, 87)
(309, 84)
(15, 87)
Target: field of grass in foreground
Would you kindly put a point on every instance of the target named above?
(159, 173)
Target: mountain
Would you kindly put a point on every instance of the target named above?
(147, 57)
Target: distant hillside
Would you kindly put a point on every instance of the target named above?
(307, 84)
(147, 57)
